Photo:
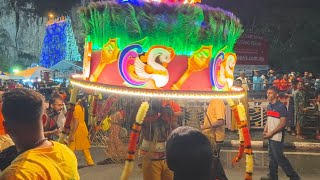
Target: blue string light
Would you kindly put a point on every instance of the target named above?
(59, 44)
(72, 53)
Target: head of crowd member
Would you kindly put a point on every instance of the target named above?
(306, 74)
(271, 73)
(61, 91)
(55, 91)
(300, 85)
(310, 75)
(294, 83)
(285, 77)
(56, 104)
(272, 94)
(238, 83)
(256, 73)
(242, 74)
(291, 77)
(189, 154)
(23, 111)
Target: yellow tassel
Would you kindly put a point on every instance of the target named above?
(142, 112)
(230, 102)
(128, 168)
(249, 163)
(242, 112)
(241, 135)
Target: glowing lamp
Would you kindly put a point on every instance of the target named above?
(51, 15)
(15, 70)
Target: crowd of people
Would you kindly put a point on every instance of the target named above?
(299, 93)
(44, 152)
(45, 87)
(261, 82)
(35, 84)
(55, 131)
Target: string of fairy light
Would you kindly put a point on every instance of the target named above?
(156, 93)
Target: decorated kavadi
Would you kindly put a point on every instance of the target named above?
(163, 48)
(167, 49)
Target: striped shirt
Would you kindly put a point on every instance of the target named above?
(274, 113)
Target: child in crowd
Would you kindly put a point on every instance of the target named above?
(291, 120)
(300, 108)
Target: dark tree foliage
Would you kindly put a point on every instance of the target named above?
(290, 26)
(42, 7)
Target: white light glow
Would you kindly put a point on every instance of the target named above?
(27, 80)
(77, 76)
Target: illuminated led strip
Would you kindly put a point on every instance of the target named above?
(156, 93)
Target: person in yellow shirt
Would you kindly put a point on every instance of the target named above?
(79, 135)
(37, 157)
(244, 81)
(214, 128)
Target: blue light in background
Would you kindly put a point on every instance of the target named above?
(135, 2)
(54, 43)
(59, 44)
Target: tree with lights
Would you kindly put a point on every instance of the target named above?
(72, 53)
(59, 43)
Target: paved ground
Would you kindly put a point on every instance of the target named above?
(306, 164)
(291, 142)
(256, 135)
(305, 160)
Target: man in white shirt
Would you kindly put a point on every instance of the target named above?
(274, 131)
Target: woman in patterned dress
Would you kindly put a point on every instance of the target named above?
(300, 108)
(291, 121)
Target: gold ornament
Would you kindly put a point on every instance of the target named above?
(109, 54)
(197, 62)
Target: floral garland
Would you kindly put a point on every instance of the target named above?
(134, 137)
(239, 113)
(66, 129)
(94, 106)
